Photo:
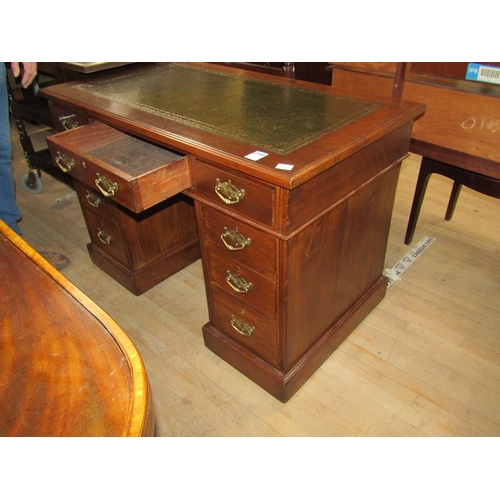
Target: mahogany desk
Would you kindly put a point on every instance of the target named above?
(66, 368)
(293, 242)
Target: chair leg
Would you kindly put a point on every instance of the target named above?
(453, 200)
(461, 177)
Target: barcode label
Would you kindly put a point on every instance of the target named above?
(482, 73)
(492, 74)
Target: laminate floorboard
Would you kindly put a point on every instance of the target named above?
(425, 362)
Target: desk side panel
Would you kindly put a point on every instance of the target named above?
(334, 263)
(318, 195)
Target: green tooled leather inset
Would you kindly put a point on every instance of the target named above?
(272, 117)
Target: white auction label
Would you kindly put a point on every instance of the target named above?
(256, 155)
(284, 166)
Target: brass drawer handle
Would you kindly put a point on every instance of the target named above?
(104, 237)
(241, 327)
(228, 193)
(93, 199)
(64, 162)
(234, 240)
(237, 283)
(106, 187)
(69, 122)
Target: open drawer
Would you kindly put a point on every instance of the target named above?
(132, 172)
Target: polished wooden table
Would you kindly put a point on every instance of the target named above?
(66, 368)
(293, 187)
(459, 135)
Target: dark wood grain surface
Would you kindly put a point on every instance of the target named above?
(66, 368)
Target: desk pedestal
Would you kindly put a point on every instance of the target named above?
(280, 302)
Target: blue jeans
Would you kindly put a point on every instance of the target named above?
(9, 211)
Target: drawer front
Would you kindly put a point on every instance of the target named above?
(91, 200)
(236, 192)
(106, 236)
(239, 241)
(132, 172)
(65, 119)
(243, 283)
(246, 327)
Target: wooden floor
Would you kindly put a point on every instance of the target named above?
(426, 362)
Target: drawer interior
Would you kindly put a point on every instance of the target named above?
(135, 173)
(126, 153)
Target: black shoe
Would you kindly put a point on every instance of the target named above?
(58, 260)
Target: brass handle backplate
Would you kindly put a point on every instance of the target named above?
(104, 236)
(93, 199)
(69, 122)
(241, 327)
(64, 162)
(228, 193)
(106, 187)
(237, 283)
(233, 240)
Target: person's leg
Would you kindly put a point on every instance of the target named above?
(9, 211)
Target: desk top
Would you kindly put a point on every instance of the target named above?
(269, 116)
(66, 368)
(225, 114)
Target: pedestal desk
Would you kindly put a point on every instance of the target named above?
(293, 188)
